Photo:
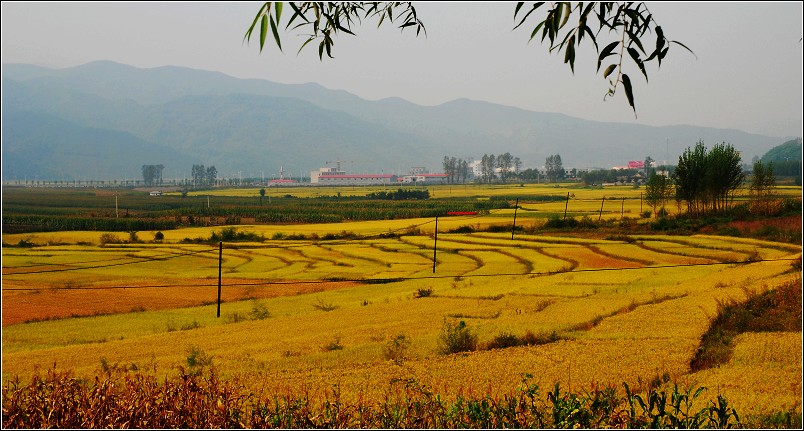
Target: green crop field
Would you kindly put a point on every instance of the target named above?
(320, 309)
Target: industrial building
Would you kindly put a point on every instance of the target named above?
(330, 176)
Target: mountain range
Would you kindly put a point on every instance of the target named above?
(104, 120)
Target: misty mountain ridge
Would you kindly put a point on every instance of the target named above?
(178, 117)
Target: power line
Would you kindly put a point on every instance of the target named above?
(88, 261)
(109, 265)
(399, 279)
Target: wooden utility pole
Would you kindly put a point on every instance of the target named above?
(601, 208)
(565, 207)
(513, 227)
(220, 265)
(435, 244)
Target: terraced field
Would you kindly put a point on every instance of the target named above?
(309, 316)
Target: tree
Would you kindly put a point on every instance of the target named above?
(622, 29)
(262, 195)
(724, 175)
(763, 183)
(211, 175)
(152, 174)
(658, 191)
(648, 165)
(148, 174)
(488, 164)
(504, 163)
(708, 180)
(554, 168)
(689, 177)
(198, 175)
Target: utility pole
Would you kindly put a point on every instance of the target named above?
(220, 265)
(435, 244)
(513, 227)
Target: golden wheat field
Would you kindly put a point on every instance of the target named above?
(318, 317)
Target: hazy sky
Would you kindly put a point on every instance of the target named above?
(747, 75)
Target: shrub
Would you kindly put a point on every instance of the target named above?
(197, 358)
(424, 292)
(259, 312)
(333, 345)
(25, 243)
(456, 338)
(192, 325)
(233, 317)
(395, 349)
(503, 341)
(325, 307)
(462, 229)
(159, 236)
(109, 238)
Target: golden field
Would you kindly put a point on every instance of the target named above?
(625, 311)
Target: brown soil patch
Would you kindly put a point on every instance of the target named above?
(791, 223)
(47, 303)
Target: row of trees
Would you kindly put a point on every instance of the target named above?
(457, 170)
(703, 180)
(204, 176)
(762, 188)
(707, 180)
(492, 168)
(505, 164)
(554, 168)
(152, 174)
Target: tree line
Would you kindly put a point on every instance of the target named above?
(492, 167)
(152, 174)
(706, 180)
(202, 176)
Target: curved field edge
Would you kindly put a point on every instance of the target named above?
(290, 363)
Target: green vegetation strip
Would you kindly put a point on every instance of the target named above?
(197, 398)
(774, 310)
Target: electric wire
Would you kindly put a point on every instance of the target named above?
(386, 280)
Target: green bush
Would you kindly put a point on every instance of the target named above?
(259, 312)
(396, 348)
(109, 238)
(423, 292)
(456, 338)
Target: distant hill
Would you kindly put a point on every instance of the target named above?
(790, 150)
(248, 126)
(42, 146)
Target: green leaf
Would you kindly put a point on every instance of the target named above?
(519, 5)
(608, 70)
(276, 34)
(278, 9)
(635, 40)
(296, 13)
(569, 54)
(305, 44)
(685, 47)
(254, 24)
(629, 93)
(607, 51)
(535, 6)
(635, 56)
(263, 31)
(536, 30)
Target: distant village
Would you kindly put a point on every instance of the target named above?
(634, 173)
